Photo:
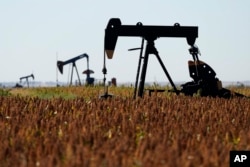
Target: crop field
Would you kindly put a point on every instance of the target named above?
(72, 126)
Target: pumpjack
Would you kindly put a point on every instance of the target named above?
(60, 65)
(27, 80)
(204, 78)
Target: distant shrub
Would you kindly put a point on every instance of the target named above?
(4, 92)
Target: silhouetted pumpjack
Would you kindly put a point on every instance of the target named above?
(27, 79)
(150, 34)
(203, 75)
(60, 65)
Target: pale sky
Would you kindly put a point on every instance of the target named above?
(33, 33)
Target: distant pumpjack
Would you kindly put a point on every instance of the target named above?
(26, 77)
(60, 65)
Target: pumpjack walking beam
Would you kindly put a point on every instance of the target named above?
(150, 33)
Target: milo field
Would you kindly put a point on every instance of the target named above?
(72, 126)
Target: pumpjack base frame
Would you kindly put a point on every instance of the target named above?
(150, 49)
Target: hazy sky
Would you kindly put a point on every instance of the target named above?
(33, 33)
